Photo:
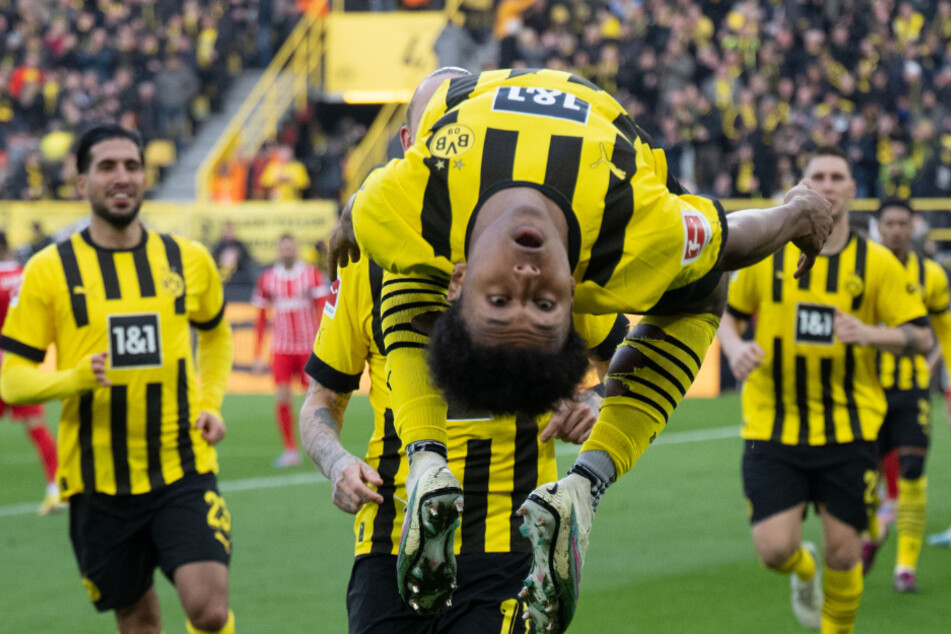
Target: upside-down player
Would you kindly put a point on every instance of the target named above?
(295, 291)
(527, 196)
(812, 403)
(136, 461)
(906, 379)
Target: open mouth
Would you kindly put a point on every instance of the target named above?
(529, 238)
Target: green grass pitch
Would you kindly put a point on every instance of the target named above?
(670, 549)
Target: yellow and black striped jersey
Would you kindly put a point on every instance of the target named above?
(812, 389)
(499, 461)
(138, 305)
(634, 236)
(927, 278)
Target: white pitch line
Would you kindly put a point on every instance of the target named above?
(276, 481)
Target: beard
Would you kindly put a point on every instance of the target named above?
(116, 221)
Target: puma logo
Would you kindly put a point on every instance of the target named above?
(79, 290)
(603, 159)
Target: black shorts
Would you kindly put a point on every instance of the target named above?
(120, 539)
(485, 603)
(777, 477)
(908, 421)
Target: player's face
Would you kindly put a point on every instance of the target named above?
(517, 285)
(831, 177)
(894, 225)
(287, 251)
(115, 181)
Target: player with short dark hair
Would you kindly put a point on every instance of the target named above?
(906, 379)
(533, 194)
(812, 403)
(294, 292)
(136, 461)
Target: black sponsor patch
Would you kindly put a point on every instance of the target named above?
(814, 323)
(135, 341)
(541, 102)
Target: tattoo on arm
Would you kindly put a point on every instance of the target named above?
(320, 423)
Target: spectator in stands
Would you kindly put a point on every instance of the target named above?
(175, 86)
(285, 177)
(237, 267)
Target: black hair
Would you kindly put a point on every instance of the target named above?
(901, 203)
(501, 379)
(832, 150)
(101, 133)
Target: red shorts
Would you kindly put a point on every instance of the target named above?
(20, 412)
(285, 366)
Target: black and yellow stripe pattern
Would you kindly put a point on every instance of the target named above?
(499, 461)
(139, 305)
(906, 372)
(812, 389)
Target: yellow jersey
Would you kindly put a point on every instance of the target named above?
(928, 279)
(499, 460)
(139, 305)
(811, 388)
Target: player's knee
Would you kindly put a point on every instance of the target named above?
(842, 555)
(209, 617)
(775, 554)
(911, 467)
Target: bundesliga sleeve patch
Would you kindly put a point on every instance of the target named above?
(330, 306)
(697, 235)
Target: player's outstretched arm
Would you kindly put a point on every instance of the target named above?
(23, 383)
(804, 218)
(321, 418)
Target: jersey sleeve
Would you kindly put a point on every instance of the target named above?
(743, 298)
(936, 288)
(29, 328)
(896, 301)
(210, 308)
(342, 343)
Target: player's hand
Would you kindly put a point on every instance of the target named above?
(98, 363)
(259, 366)
(747, 357)
(815, 214)
(573, 419)
(350, 476)
(343, 241)
(211, 427)
(849, 329)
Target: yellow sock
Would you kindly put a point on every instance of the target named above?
(669, 350)
(801, 564)
(227, 629)
(912, 502)
(843, 593)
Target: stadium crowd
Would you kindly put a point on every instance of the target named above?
(156, 66)
(736, 92)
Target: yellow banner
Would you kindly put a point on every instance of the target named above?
(258, 224)
(357, 70)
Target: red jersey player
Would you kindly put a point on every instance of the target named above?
(11, 274)
(296, 292)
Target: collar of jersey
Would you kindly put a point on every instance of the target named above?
(574, 231)
(84, 234)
